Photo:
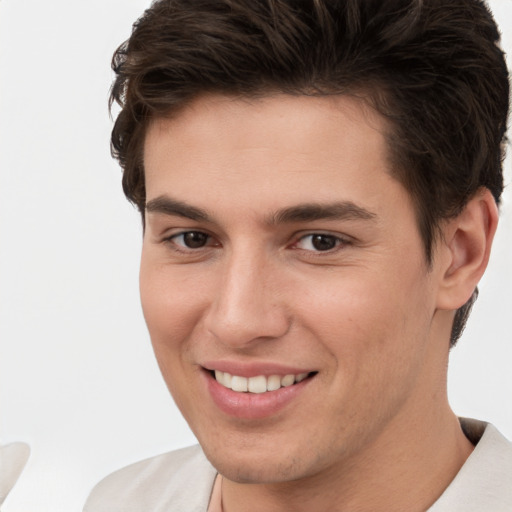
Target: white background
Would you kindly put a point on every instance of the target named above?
(78, 379)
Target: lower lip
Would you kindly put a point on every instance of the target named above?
(252, 406)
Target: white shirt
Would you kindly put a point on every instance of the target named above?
(13, 458)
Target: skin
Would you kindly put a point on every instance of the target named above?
(372, 429)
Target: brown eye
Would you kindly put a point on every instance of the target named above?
(319, 242)
(323, 242)
(191, 239)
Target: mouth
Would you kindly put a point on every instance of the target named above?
(262, 391)
(258, 384)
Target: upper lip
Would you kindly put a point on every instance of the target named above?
(254, 369)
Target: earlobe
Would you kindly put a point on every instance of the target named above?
(467, 245)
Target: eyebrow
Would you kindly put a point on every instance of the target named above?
(343, 210)
(307, 212)
(168, 206)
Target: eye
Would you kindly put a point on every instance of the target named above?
(319, 242)
(191, 239)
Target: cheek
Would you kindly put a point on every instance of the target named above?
(171, 305)
(171, 310)
(371, 323)
(376, 352)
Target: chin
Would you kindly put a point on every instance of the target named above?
(255, 473)
(255, 467)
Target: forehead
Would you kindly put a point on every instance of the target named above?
(271, 153)
(273, 112)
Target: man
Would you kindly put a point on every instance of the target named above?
(318, 182)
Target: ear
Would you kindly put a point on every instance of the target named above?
(465, 248)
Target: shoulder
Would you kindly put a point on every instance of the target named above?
(181, 480)
(485, 481)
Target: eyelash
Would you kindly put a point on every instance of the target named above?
(339, 242)
(182, 247)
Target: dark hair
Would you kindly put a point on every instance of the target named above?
(433, 68)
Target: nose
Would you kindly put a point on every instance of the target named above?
(248, 305)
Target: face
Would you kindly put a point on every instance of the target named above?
(284, 284)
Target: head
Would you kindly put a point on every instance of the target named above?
(433, 70)
(313, 176)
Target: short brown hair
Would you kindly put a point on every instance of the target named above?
(433, 68)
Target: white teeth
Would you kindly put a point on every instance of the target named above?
(239, 383)
(301, 377)
(227, 379)
(258, 384)
(288, 380)
(273, 383)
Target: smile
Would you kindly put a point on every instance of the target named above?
(257, 384)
